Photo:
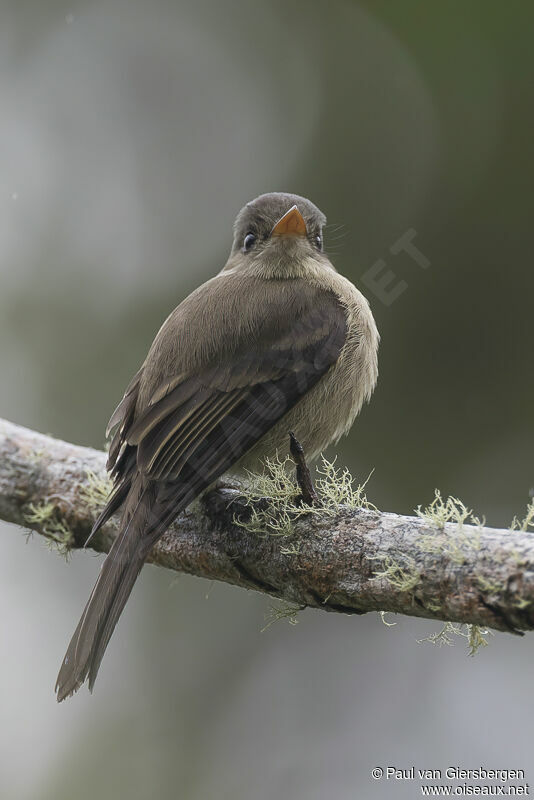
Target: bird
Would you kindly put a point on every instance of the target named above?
(278, 341)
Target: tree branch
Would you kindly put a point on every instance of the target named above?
(353, 562)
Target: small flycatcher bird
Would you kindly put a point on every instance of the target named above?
(277, 341)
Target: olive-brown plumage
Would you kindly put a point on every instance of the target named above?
(277, 341)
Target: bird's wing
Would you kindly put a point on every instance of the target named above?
(193, 427)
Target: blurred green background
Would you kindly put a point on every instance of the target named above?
(131, 134)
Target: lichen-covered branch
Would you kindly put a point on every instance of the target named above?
(340, 558)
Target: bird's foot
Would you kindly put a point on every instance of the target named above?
(308, 494)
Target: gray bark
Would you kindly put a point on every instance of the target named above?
(352, 562)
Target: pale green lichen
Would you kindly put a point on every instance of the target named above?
(476, 638)
(36, 456)
(463, 541)
(518, 559)
(383, 618)
(489, 586)
(39, 513)
(445, 636)
(527, 522)
(336, 488)
(447, 633)
(441, 511)
(272, 497)
(284, 610)
(95, 491)
(454, 546)
(47, 517)
(290, 549)
(458, 543)
(403, 577)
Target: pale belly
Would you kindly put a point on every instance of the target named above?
(328, 410)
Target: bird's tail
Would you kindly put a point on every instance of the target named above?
(110, 593)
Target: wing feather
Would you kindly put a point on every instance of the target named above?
(193, 427)
(177, 450)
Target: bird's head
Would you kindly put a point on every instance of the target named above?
(278, 235)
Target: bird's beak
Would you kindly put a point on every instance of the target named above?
(291, 224)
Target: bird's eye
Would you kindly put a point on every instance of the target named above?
(318, 241)
(248, 242)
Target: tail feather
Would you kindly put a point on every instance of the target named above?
(149, 510)
(128, 578)
(108, 598)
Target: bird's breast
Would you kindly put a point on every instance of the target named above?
(329, 408)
